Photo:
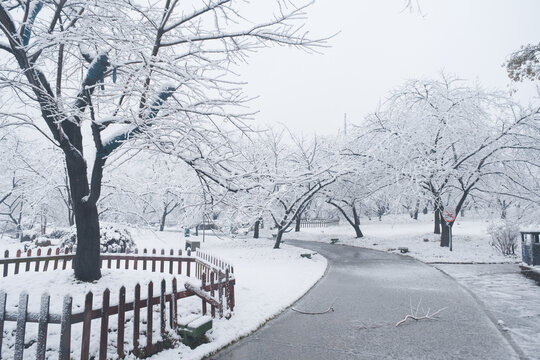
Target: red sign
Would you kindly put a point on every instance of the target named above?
(449, 215)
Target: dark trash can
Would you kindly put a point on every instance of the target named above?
(530, 247)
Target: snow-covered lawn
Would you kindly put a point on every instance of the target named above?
(470, 239)
(267, 282)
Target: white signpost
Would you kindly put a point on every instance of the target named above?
(449, 215)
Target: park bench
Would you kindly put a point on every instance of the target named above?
(193, 327)
(333, 241)
(193, 245)
(403, 250)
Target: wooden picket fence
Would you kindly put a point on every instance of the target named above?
(216, 277)
(318, 223)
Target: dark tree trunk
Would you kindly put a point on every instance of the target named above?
(356, 224)
(437, 221)
(87, 257)
(416, 209)
(445, 235)
(163, 218)
(256, 229)
(297, 223)
(278, 238)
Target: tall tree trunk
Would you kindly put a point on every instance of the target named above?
(278, 238)
(356, 224)
(256, 229)
(87, 257)
(297, 223)
(163, 218)
(445, 235)
(437, 221)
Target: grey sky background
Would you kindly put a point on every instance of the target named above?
(380, 46)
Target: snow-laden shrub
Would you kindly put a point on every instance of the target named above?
(114, 238)
(59, 233)
(504, 237)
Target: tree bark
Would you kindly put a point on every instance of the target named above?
(445, 235)
(278, 238)
(87, 256)
(356, 224)
(163, 218)
(256, 229)
(297, 222)
(437, 221)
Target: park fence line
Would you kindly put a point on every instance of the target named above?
(318, 223)
(216, 276)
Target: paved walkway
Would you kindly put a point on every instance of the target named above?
(511, 299)
(373, 291)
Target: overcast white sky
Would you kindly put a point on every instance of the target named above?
(378, 48)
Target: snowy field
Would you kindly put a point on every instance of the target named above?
(470, 239)
(268, 281)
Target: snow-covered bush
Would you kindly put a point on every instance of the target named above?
(504, 237)
(58, 233)
(114, 238)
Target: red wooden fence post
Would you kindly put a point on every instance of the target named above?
(42, 327)
(103, 338)
(144, 261)
(153, 260)
(36, 269)
(27, 265)
(65, 329)
(174, 305)
(136, 318)
(21, 326)
(161, 264)
(121, 320)
(49, 251)
(56, 252)
(212, 293)
(87, 324)
(149, 319)
(3, 298)
(6, 255)
(162, 308)
(18, 254)
(204, 288)
(171, 253)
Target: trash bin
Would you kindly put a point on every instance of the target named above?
(530, 247)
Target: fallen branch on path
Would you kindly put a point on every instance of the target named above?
(330, 309)
(414, 314)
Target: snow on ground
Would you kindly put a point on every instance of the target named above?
(510, 298)
(470, 239)
(267, 282)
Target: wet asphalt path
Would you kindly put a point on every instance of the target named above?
(373, 291)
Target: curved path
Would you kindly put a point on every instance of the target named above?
(373, 291)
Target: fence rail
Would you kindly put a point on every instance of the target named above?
(318, 223)
(217, 285)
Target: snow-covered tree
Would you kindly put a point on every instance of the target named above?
(154, 74)
(447, 140)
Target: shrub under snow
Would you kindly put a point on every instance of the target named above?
(504, 237)
(114, 238)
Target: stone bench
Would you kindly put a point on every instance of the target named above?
(193, 327)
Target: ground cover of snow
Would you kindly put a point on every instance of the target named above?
(268, 281)
(470, 239)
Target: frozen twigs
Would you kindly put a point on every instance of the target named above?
(330, 309)
(414, 315)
